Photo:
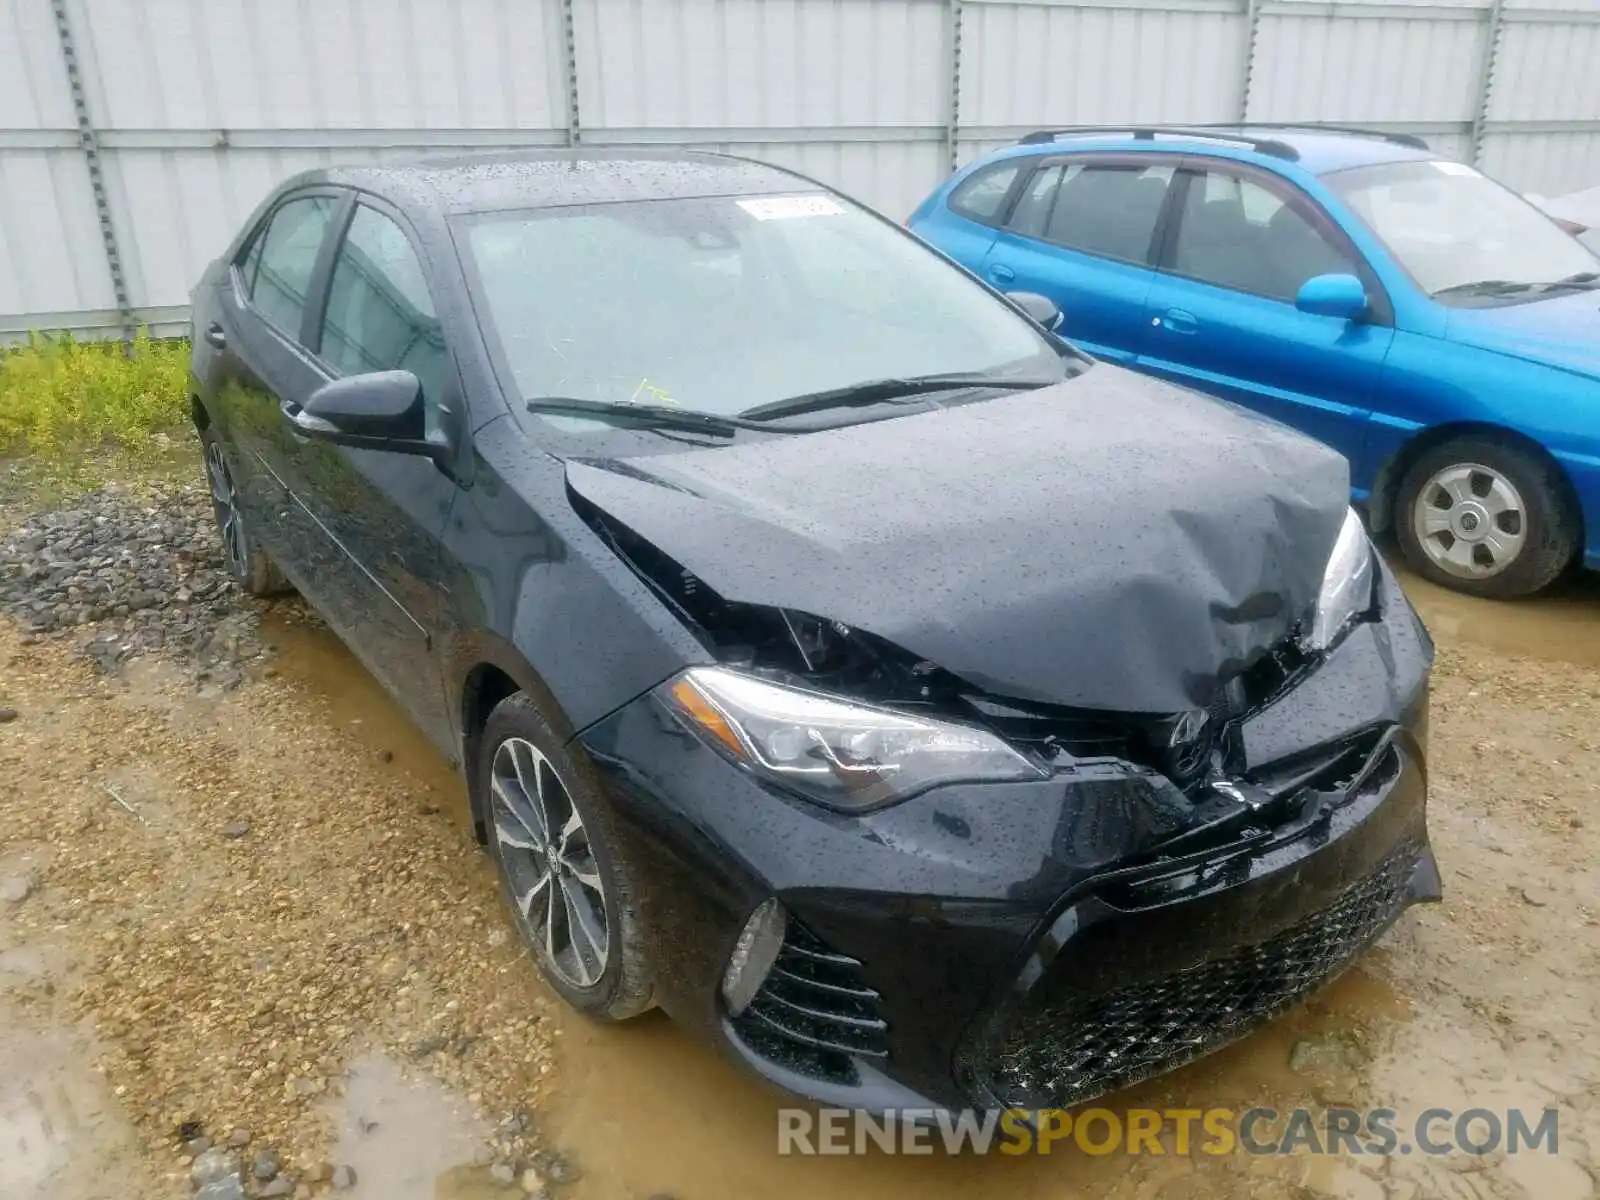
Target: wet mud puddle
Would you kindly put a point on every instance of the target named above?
(645, 1112)
(1561, 625)
(407, 1138)
(62, 1131)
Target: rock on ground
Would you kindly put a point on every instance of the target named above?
(135, 575)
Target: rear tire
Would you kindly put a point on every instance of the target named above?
(563, 870)
(1486, 517)
(249, 565)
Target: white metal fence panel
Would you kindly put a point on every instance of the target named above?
(372, 65)
(1546, 71)
(760, 64)
(113, 196)
(1027, 65)
(1546, 164)
(1407, 64)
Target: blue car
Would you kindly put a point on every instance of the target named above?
(1431, 325)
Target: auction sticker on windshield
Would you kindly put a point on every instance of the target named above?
(778, 208)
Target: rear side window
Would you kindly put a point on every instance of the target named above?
(1032, 213)
(380, 316)
(1109, 211)
(983, 195)
(277, 270)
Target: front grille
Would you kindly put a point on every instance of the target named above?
(1071, 1048)
(815, 1013)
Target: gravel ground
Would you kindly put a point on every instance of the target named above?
(186, 857)
(254, 904)
(233, 903)
(136, 572)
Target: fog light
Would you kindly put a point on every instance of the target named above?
(753, 955)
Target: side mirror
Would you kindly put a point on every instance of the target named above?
(1045, 312)
(1340, 296)
(380, 410)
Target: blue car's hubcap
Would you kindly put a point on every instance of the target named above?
(1470, 521)
(550, 867)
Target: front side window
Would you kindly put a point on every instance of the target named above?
(1460, 235)
(277, 271)
(721, 304)
(380, 316)
(1238, 234)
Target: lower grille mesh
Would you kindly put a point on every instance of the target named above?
(1073, 1048)
(815, 1012)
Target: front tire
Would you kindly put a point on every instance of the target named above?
(563, 870)
(249, 565)
(1487, 518)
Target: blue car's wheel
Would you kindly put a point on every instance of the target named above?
(1486, 517)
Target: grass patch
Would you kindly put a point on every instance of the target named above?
(60, 398)
(76, 415)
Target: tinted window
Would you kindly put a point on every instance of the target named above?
(982, 196)
(1238, 234)
(1109, 211)
(287, 252)
(1033, 206)
(380, 316)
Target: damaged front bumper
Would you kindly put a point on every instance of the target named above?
(1034, 943)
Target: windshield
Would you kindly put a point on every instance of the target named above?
(1451, 227)
(722, 304)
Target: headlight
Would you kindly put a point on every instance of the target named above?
(846, 755)
(1346, 584)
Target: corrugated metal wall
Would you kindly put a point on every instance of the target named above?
(114, 192)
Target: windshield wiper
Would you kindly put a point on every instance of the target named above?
(1485, 287)
(657, 416)
(1583, 280)
(876, 391)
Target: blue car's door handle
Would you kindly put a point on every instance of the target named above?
(1001, 273)
(1178, 321)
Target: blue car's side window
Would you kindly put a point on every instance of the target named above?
(1108, 210)
(982, 197)
(1238, 234)
(1033, 206)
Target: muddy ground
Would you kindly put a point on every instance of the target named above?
(258, 911)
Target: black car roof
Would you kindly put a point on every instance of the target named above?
(549, 178)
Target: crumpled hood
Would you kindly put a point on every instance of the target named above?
(1562, 331)
(1110, 542)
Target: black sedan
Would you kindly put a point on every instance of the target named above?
(922, 711)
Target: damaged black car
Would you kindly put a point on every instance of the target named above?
(923, 712)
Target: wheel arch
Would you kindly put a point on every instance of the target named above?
(488, 669)
(1386, 484)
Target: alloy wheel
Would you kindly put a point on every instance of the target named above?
(549, 862)
(1470, 521)
(224, 502)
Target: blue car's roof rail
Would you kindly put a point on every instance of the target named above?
(1260, 145)
(1412, 140)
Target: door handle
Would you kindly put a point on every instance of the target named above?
(1002, 273)
(291, 413)
(1176, 320)
(215, 336)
